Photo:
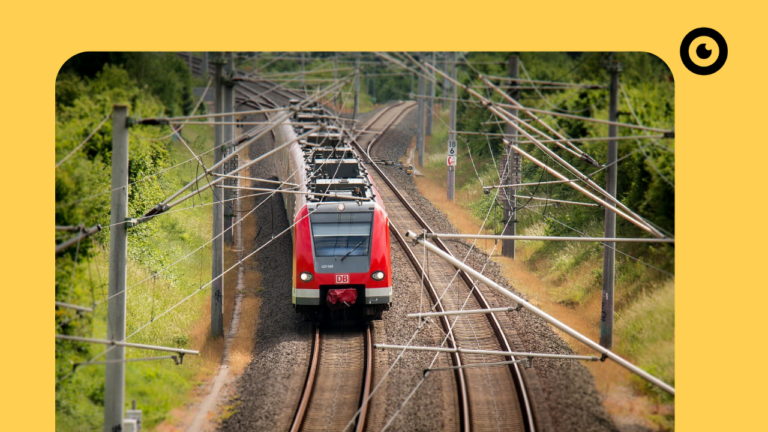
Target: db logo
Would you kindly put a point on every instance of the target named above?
(342, 279)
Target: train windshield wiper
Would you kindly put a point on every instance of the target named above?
(352, 250)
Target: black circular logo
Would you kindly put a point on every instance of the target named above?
(704, 51)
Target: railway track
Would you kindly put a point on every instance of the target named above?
(491, 398)
(338, 381)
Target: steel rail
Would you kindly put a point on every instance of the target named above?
(495, 325)
(309, 383)
(367, 378)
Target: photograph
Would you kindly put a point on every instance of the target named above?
(366, 240)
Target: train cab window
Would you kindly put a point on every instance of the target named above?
(341, 234)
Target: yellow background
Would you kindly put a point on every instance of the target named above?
(721, 155)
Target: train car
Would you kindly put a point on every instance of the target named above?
(342, 266)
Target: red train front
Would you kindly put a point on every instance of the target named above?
(341, 259)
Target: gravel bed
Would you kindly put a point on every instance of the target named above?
(570, 400)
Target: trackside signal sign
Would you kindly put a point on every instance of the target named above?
(451, 161)
(451, 148)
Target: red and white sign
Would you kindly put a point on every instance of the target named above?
(342, 279)
(451, 160)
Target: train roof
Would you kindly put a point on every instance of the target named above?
(334, 171)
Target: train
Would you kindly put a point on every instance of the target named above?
(342, 267)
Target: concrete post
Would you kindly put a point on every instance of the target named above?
(431, 100)
(452, 125)
(357, 85)
(229, 135)
(374, 98)
(420, 119)
(336, 78)
(609, 253)
(448, 61)
(217, 247)
(510, 169)
(302, 72)
(114, 385)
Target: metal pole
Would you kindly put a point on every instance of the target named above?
(229, 135)
(447, 64)
(336, 78)
(114, 382)
(484, 352)
(609, 252)
(540, 313)
(357, 85)
(551, 238)
(121, 343)
(84, 233)
(460, 312)
(420, 120)
(374, 99)
(302, 71)
(431, 100)
(217, 247)
(451, 186)
(511, 170)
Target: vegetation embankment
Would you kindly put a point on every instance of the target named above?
(168, 258)
(566, 278)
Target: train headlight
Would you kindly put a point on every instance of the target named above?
(378, 275)
(305, 276)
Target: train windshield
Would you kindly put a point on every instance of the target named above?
(341, 234)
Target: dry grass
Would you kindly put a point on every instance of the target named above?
(241, 350)
(212, 349)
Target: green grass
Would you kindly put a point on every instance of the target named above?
(646, 331)
(157, 386)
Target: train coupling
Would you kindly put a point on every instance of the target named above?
(341, 298)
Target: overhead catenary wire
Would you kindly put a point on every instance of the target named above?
(273, 191)
(620, 208)
(548, 318)
(161, 207)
